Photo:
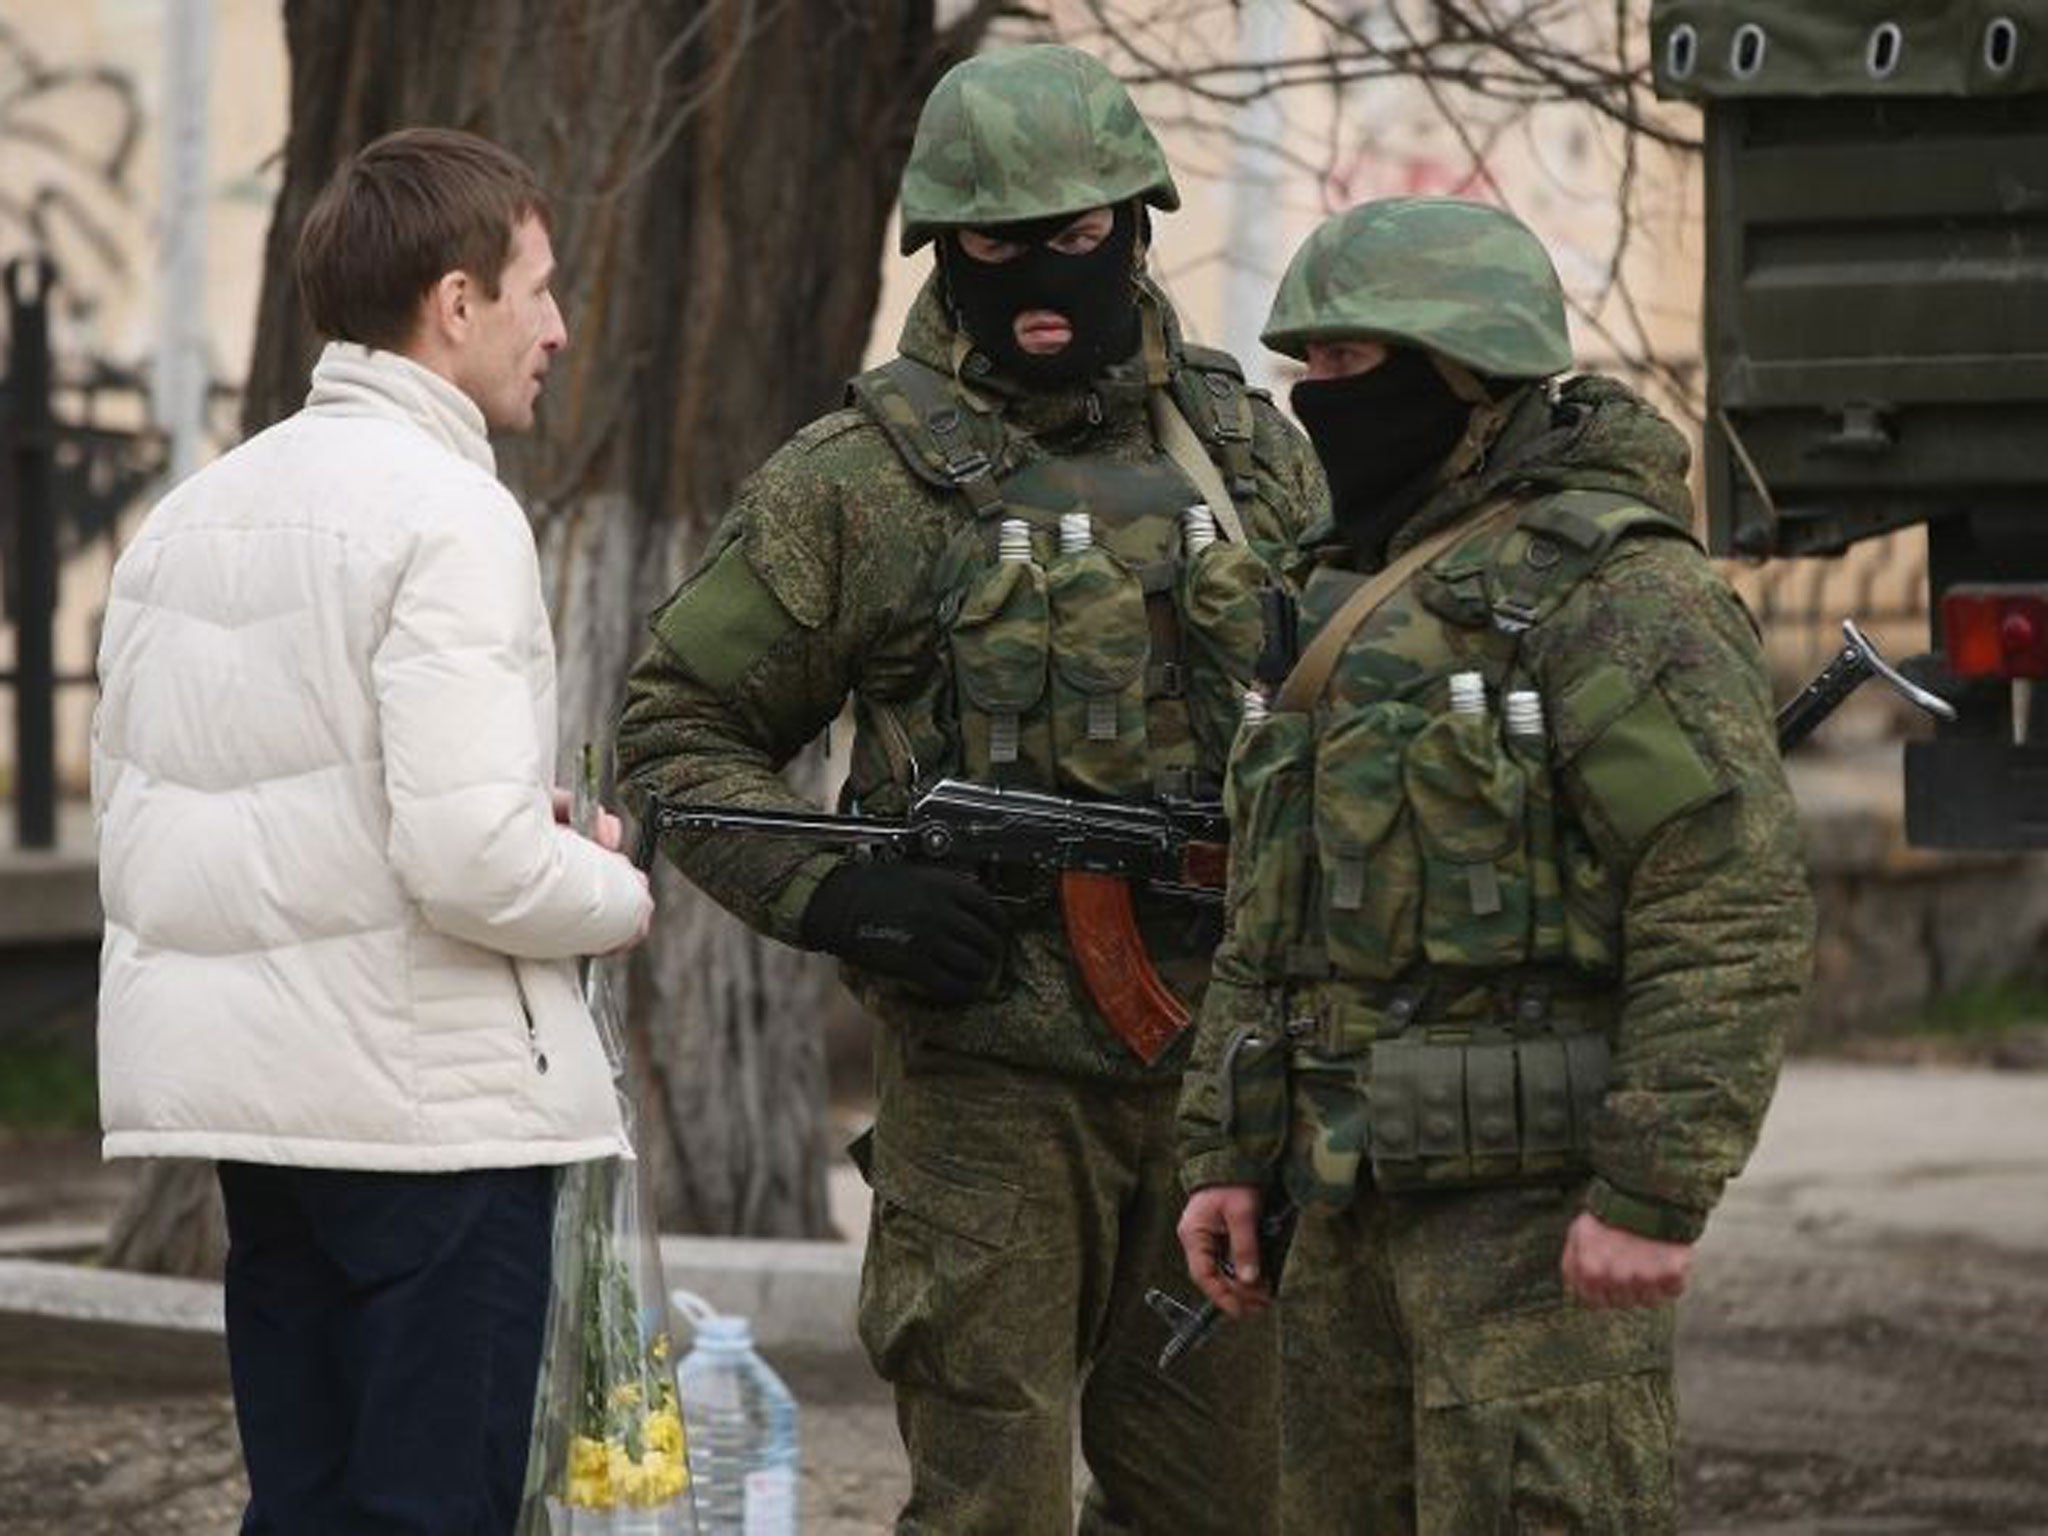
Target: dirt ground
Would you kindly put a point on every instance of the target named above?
(1830, 1383)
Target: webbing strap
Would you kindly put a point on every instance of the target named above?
(966, 465)
(1311, 674)
(1184, 447)
(917, 408)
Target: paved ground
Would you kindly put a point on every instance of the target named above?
(1863, 1352)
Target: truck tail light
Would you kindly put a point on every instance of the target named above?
(1996, 630)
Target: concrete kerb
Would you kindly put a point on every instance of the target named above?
(93, 1327)
(798, 1295)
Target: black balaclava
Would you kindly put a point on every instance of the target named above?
(1097, 293)
(1377, 433)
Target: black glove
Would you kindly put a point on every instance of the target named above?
(938, 930)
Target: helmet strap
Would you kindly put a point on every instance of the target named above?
(1463, 381)
(1481, 427)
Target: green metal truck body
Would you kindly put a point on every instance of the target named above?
(1876, 329)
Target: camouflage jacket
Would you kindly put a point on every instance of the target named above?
(1696, 969)
(819, 587)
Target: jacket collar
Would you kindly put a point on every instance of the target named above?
(1585, 433)
(354, 380)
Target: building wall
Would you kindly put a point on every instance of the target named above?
(80, 155)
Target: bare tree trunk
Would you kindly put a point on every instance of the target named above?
(722, 174)
(171, 1223)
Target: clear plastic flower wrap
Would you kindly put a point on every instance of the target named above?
(608, 1455)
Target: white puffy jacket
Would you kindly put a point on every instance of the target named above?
(340, 914)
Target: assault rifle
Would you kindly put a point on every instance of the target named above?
(1094, 850)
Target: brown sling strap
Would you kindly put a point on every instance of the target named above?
(1304, 685)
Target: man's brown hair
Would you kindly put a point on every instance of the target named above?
(399, 215)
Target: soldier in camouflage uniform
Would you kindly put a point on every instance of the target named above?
(991, 551)
(1517, 920)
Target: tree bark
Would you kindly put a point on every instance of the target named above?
(722, 174)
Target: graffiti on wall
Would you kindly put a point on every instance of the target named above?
(68, 140)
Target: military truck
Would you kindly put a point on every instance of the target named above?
(1876, 333)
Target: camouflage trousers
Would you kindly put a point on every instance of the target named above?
(1019, 1218)
(1436, 1380)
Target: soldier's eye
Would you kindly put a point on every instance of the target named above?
(987, 248)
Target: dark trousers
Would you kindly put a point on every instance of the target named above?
(384, 1337)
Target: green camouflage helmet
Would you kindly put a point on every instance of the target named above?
(1027, 133)
(1465, 280)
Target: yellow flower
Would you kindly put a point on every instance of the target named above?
(620, 1468)
(590, 1474)
(626, 1393)
(664, 1432)
(663, 1475)
(603, 1475)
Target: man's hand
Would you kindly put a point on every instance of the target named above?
(1219, 1232)
(606, 830)
(1608, 1267)
(646, 911)
(936, 929)
(609, 833)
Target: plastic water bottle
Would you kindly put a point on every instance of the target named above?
(740, 1422)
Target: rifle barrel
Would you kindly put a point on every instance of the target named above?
(670, 817)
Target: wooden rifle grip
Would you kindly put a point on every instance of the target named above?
(1102, 932)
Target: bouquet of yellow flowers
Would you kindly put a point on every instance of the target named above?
(607, 1457)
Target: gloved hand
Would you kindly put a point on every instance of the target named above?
(938, 930)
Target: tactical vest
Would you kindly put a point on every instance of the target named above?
(1112, 671)
(1440, 942)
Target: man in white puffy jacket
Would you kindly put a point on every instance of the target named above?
(342, 903)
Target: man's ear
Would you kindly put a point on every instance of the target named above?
(449, 305)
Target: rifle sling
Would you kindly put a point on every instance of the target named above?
(1311, 674)
(1184, 446)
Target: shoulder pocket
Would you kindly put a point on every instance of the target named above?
(1630, 757)
(727, 617)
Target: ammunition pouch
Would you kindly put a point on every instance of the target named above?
(1507, 1095)
(1099, 642)
(1224, 629)
(1452, 1113)
(1268, 798)
(1114, 670)
(1001, 636)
